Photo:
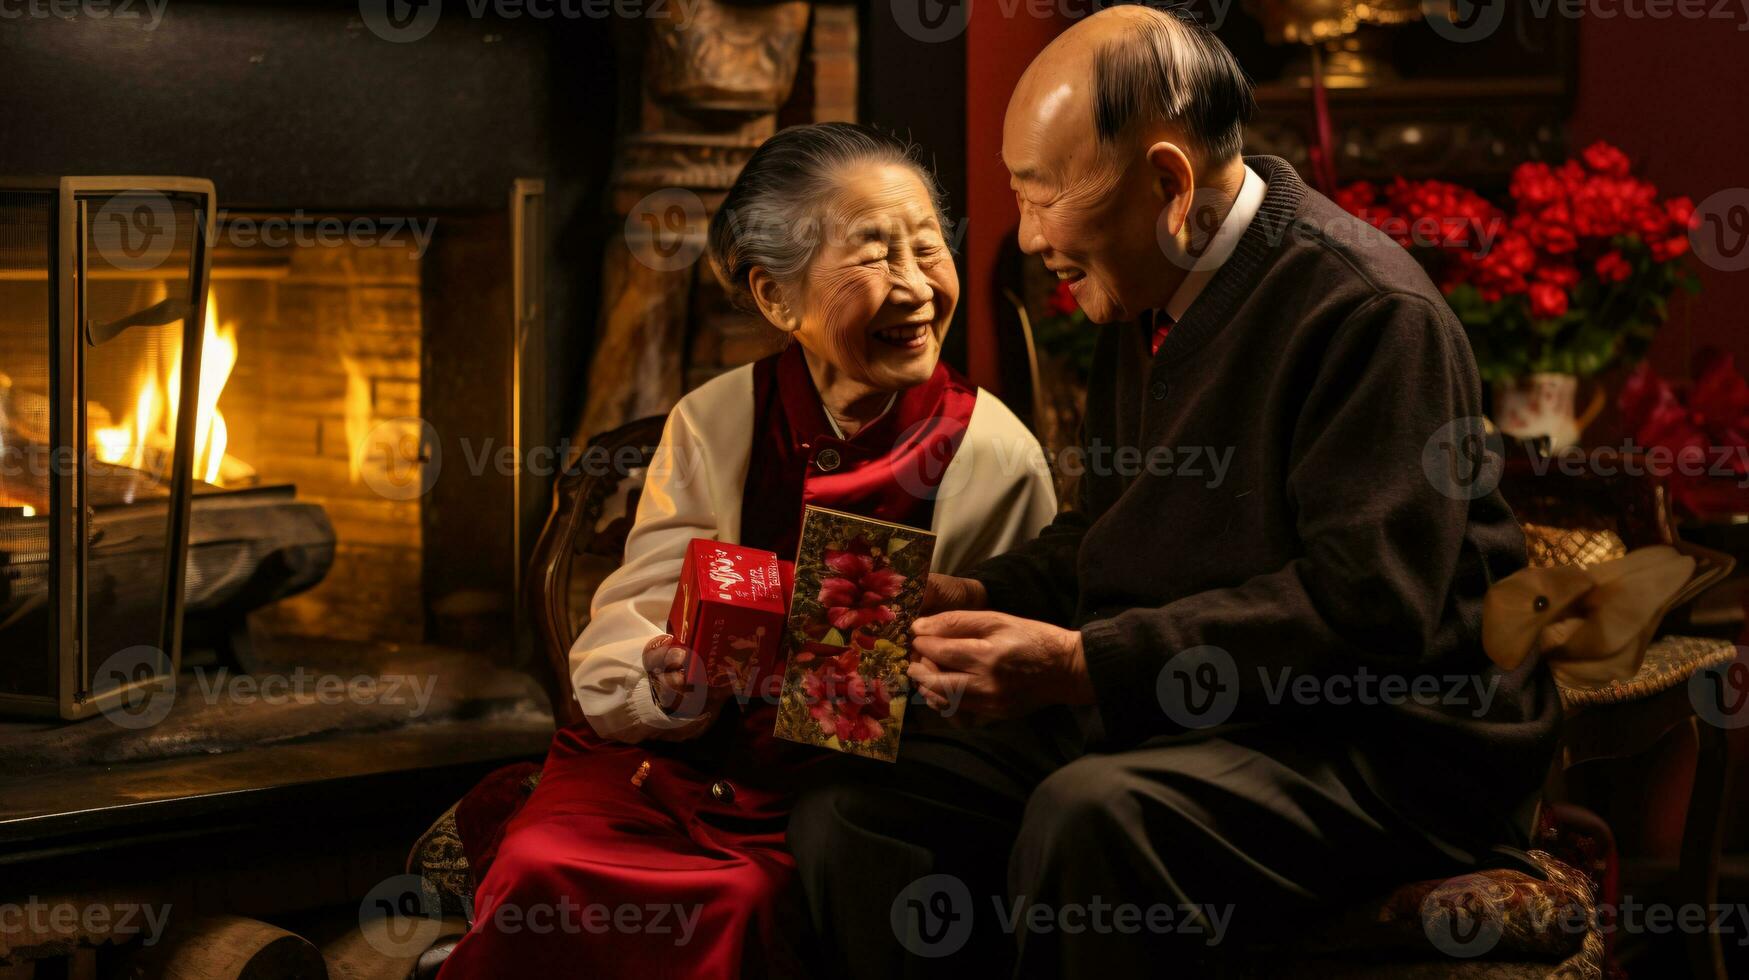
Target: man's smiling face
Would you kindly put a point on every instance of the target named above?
(1090, 215)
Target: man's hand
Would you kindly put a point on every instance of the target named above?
(677, 679)
(944, 592)
(994, 664)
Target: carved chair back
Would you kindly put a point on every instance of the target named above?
(594, 501)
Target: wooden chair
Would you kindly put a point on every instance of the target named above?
(594, 501)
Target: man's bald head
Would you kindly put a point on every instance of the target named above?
(1112, 131)
(1132, 66)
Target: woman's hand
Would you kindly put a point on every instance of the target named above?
(943, 593)
(677, 679)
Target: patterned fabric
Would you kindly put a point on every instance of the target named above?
(438, 858)
(1669, 661)
(1512, 913)
(1552, 546)
(474, 826)
(1500, 924)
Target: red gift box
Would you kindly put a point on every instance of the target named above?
(730, 610)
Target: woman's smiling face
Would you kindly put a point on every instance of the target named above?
(876, 299)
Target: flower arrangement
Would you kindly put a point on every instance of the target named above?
(1704, 429)
(1571, 277)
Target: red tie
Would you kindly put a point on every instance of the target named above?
(1163, 323)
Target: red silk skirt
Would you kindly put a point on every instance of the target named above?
(654, 860)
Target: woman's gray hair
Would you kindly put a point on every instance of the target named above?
(771, 217)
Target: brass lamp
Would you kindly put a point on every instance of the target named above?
(1344, 33)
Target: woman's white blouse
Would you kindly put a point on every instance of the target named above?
(995, 494)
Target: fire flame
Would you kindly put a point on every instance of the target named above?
(218, 355)
(150, 420)
(358, 416)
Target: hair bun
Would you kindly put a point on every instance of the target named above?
(766, 219)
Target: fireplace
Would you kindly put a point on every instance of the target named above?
(380, 365)
(423, 297)
(401, 334)
(326, 345)
(379, 368)
(342, 361)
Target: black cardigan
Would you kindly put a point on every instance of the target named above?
(1322, 558)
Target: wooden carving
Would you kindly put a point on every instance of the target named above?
(710, 91)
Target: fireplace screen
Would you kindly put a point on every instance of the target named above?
(105, 421)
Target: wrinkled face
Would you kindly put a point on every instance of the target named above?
(1092, 218)
(881, 288)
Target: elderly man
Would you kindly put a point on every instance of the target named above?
(1237, 696)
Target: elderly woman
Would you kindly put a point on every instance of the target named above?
(654, 845)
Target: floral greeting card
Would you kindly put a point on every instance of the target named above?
(858, 586)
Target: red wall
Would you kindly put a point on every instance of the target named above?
(998, 49)
(1674, 94)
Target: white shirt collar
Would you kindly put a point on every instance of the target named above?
(1226, 238)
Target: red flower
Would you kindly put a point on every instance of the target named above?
(1564, 276)
(1606, 159)
(1670, 248)
(1568, 228)
(1547, 301)
(858, 593)
(1534, 186)
(1720, 401)
(1062, 301)
(1611, 267)
(1504, 270)
(1355, 196)
(1552, 230)
(1714, 418)
(841, 700)
(1681, 212)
